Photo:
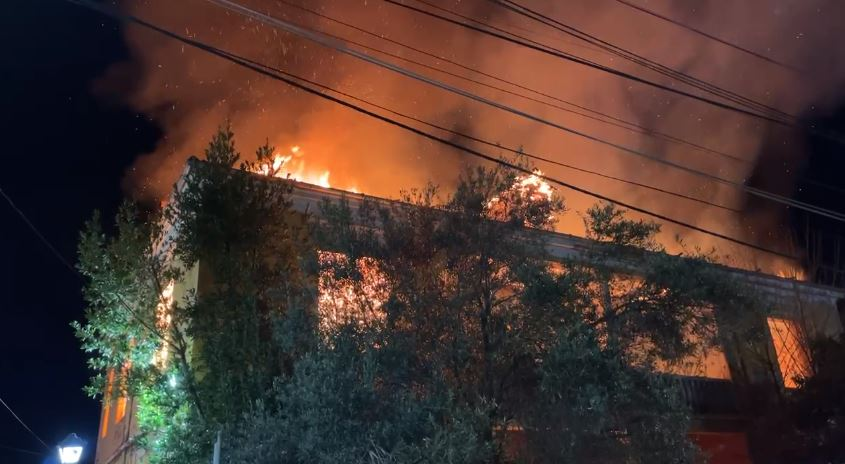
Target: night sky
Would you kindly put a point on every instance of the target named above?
(65, 152)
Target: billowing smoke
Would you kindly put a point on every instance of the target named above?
(190, 93)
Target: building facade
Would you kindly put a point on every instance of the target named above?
(725, 388)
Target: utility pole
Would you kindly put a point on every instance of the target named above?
(216, 457)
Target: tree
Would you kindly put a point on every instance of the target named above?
(428, 330)
(476, 307)
(592, 406)
(199, 361)
(809, 421)
(221, 149)
(816, 409)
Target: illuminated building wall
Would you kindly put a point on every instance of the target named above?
(705, 375)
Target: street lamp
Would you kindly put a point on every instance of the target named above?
(70, 449)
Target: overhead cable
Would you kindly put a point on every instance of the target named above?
(117, 15)
(585, 111)
(707, 35)
(626, 54)
(342, 47)
(24, 424)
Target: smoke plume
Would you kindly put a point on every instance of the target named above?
(190, 93)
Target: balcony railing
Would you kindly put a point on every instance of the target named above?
(707, 397)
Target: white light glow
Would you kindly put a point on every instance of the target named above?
(70, 454)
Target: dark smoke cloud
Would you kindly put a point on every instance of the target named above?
(190, 93)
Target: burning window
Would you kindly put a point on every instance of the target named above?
(792, 358)
(350, 293)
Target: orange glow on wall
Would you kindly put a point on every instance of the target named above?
(789, 348)
(104, 422)
(163, 320)
(120, 409)
(723, 447)
(708, 363)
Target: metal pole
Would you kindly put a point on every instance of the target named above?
(216, 457)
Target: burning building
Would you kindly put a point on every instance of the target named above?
(720, 385)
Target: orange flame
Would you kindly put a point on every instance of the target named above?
(531, 188)
(292, 166)
(534, 187)
(344, 300)
(793, 273)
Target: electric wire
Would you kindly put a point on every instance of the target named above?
(73, 270)
(662, 69)
(24, 424)
(492, 144)
(586, 112)
(339, 46)
(21, 450)
(528, 43)
(511, 149)
(706, 34)
(35, 230)
(518, 40)
(119, 16)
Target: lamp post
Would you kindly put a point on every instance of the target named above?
(70, 449)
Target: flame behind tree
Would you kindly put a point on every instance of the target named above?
(290, 166)
(530, 196)
(473, 308)
(466, 333)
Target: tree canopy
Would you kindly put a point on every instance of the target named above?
(434, 329)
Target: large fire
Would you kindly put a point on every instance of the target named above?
(530, 189)
(292, 166)
(534, 187)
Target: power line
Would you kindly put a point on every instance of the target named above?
(528, 43)
(606, 46)
(24, 424)
(638, 59)
(74, 271)
(595, 115)
(556, 38)
(518, 40)
(522, 10)
(707, 35)
(522, 152)
(295, 83)
(37, 232)
(334, 44)
(21, 450)
(491, 144)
